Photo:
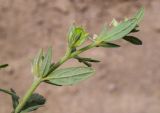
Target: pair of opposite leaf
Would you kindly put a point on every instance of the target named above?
(41, 63)
(121, 30)
(68, 76)
(76, 37)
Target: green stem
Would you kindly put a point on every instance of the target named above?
(83, 49)
(61, 61)
(27, 95)
(36, 83)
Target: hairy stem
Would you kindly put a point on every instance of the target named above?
(27, 95)
(36, 83)
(83, 49)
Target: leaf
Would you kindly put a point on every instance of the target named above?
(90, 60)
(35, 101)
(120, 31)
(103, 32)
(133, 40)
(135, 30)
(108, 45)
(70, 76)
(87, 64)
(31, 109)
(73, 49)
(15, 97)
(37, 61)
(139, 15)
(46, 63)
(86, 59)
(82, 39)
(52, 83)
(6, 91)
(70, 34)
(76, 36)
(3, 66)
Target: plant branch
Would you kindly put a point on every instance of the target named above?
(37, 82)
(27, 95)
(6, 91)
(83, 49)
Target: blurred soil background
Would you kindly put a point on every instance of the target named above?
(128, 78)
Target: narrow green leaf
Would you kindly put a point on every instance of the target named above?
(83, 38)
(15, 99)
(52, 83)
(70, 34)
(3, 65)
(120, 31)
(139, 15)
(108, 45)
(133, 40)
(87, 64)
(14, 96)
(91, 60)
(73, 49)
(135, 30)
(35, 101)
(45, 67)
(70, 76)
(37, 61)
(6, 91)
(81, 59)
(103, 32)
(32, 108)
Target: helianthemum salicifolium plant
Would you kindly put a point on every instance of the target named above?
(45, 71)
